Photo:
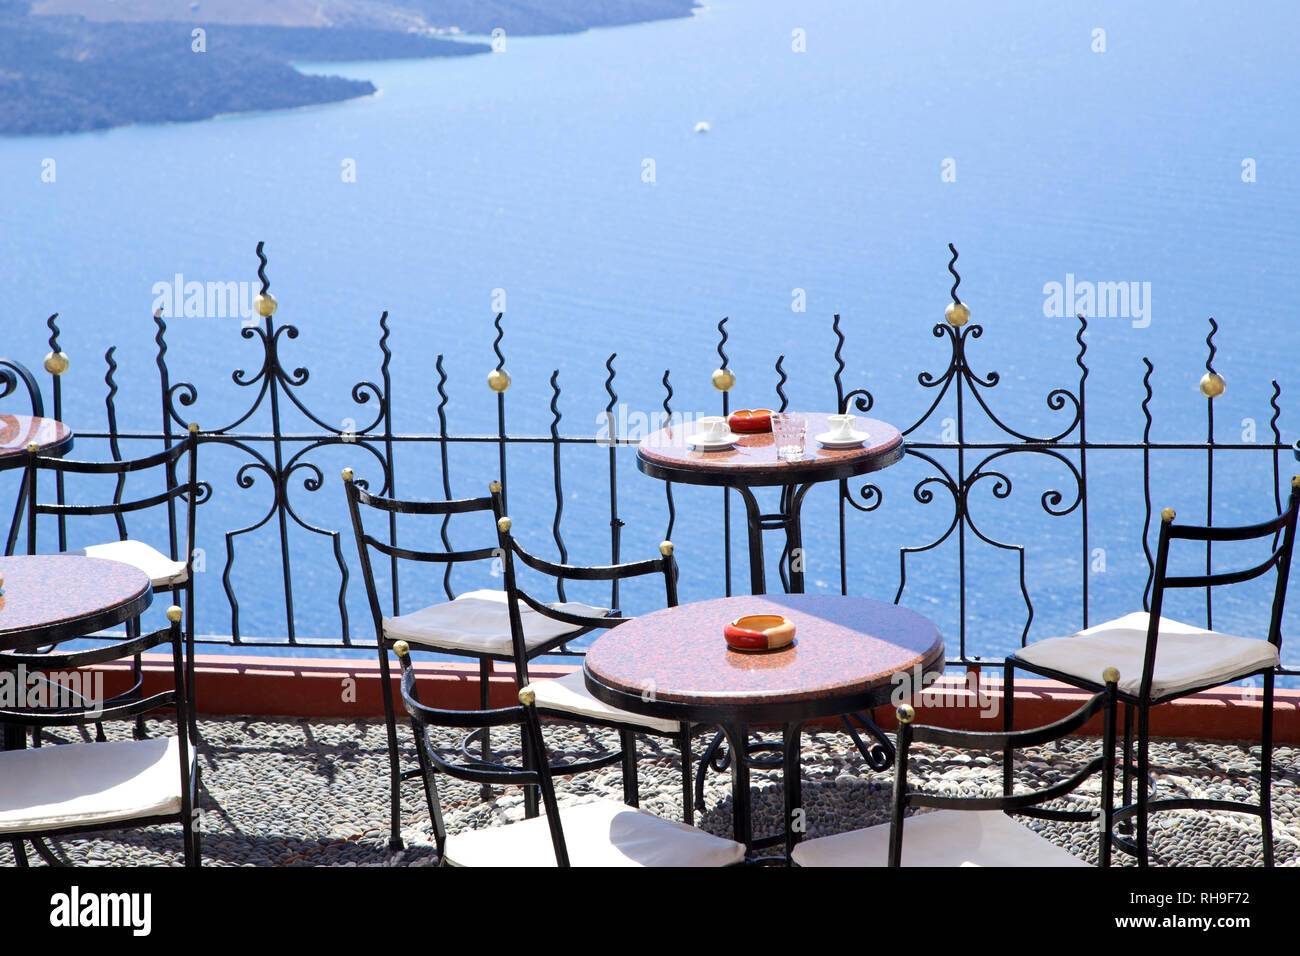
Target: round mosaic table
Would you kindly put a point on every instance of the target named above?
(56, 597)
(752, 463)
(848, 655)
(18, 431)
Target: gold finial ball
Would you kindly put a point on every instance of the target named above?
(265, 305)
(401, 649)
(666, 548)
(174, 614)
(56, 363)
(957, 314)
(348, 474)
(503, 524)
(1168, 515)
(724, 379)
(194, 428)
(1295, 481)
(33, 447)
(1212, 385)
(527, 696)
(906, 714)
(1110, 675)
(498, 380)
(494, 487)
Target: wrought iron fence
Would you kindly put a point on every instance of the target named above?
(953, 467)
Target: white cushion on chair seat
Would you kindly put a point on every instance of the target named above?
(70, 785)
(569, 695)
(162, 571)
(478, 622)
(940, 838)
(1186, 656)
(604, 833)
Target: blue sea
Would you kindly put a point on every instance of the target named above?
(847, 144)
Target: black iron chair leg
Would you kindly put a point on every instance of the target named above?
(631, 788)
(688, 804)
(1008, 723)
(485, 740)
(20, 853)
(191, 692)
(394, 762)
(1143, 791)
(1126, 827)
(1266, 772)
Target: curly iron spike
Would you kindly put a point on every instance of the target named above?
(261, 268)
(955, 276)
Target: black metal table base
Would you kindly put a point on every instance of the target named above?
(734, 739)
(787, 519)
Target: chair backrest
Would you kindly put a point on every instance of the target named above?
(13, 373)
(534, 771)
(174, 487)
(1024, 803)
(664, 565)
(1282, 527)
(358, 497)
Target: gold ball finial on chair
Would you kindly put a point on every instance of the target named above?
(1168, 515)
(174, 614)
(33, 447)
(956, 314)
(1212, 385)
(503, 524)
(265, 305)
(194, 428)
(498, 380)
(348, 474)
(494, 487)
(56, 363)
(402, 649)
(527, 696)
(666, 548)
(906, 714)
(1110, 675)
(1295, 481)
(724, 379)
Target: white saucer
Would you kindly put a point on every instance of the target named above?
(720, 444)
(828, 440)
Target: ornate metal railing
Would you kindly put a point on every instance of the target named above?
(975, 451)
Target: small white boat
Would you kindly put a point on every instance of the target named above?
(701, 127)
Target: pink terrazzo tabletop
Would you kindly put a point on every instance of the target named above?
(44, 592)
(18, 431)
(843, 646)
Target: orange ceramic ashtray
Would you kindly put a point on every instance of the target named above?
(751, 420)
(759, 632)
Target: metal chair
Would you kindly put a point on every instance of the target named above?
(57, 790)
(480, 624)
(602, 833)
(978, 831)
(568, 698)
(1190, 659)
(174, 573)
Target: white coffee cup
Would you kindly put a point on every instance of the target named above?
(712, 427)
(841, 426)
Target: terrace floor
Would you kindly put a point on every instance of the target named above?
(280, 792)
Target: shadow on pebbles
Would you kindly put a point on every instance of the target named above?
(315, 793)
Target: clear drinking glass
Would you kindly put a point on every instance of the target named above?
(788, 432)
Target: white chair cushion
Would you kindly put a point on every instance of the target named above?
(478, 622)
(940, 838)
(162, 571)
(568, 695)
(1186, 656)
(604, 833)
(70, 785)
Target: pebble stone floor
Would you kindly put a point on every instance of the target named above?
(314, 793)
